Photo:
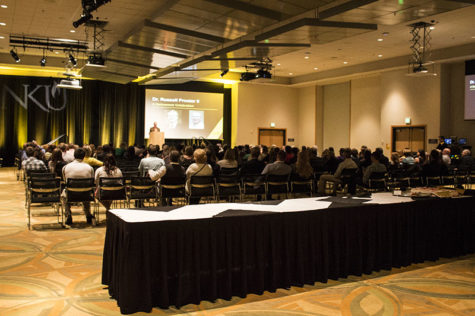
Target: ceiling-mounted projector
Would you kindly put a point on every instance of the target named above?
(69, 83)
(248, 76)
(95, 61)
(263, 73)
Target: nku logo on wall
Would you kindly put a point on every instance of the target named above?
(51, 93)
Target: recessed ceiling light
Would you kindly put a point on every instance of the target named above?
(432, 27)
(56, 53)
(278, 64)
(2, 37)
(306, 57)
(473, 36)
(316, 68)
(4, 6)
(3, 24)
(345, 62)
(291, 73)
(380, 39)
(380, 55)
(72, 31)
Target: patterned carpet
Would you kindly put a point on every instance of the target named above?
(54, 271)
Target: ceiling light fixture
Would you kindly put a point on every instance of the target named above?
(290, 73)
(73, 60)
(3, 24)
(88, 6)
(380, 39)
(278, 64)
(3, 6)
(380, 55)
(72, 31)
(345, 62)
(2, 37)
(15, 55)
(225, 71)
(316, 68)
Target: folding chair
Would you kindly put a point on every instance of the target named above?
(81, 190)
(171, 188)
(201, 187)
(142, 189)
(377, 182)
(299, 185)
(111, 189)
(44, 190)
(228, 186)
(251, 184)
(277, 184)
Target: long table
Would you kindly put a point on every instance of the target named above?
(165, 257)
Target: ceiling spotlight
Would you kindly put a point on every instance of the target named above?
(279, 64)
(290, 73)
(72, 31)
(15, 56)
(380, 55)
(3, 24)
(380, 39)
(306, 57)
(43, 62)
(316, 68)
(432, 27)
(225, 71)
(2, 37)
(3, 6)
(73, 60)
(85, 17)
(345, 62)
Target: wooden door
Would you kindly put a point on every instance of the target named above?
(411, 137)
(271, 136)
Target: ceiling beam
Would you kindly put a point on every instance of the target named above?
(252, 9)
(132, 63)
(182, 31)
(313, 22)
(202, 69)
(151, 50)
(280, 45)
(232, 58)
(342, 8)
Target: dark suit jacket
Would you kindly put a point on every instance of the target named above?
(252, 166)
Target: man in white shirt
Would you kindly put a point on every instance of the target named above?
(78, 169)
(152, 162)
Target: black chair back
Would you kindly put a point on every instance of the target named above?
(252, 185)
(141, 188)
(111, 189)
(201, 186)
(80, 190)
(277, 184)
(348, 178)
(172, 187)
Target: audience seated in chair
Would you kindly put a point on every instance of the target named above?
(348, 163)
(109, 170)
(78, 169)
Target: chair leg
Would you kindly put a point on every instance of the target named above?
(29, 214)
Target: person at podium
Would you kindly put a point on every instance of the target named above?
(154, 128)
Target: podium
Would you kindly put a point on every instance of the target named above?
(156, 138)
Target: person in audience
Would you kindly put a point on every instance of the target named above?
(279, 167)
(56, 164)
(303, 168)
(376, 166)
(330, 161)
(366, 161)
(32, 163)
(119, 152)
(78, 169)
(106, 149)
(435, 167)
(187, 158)
(446, 157)
(421, 158)
(93, 162)
(108, 170)
(152, 162)
(198, 168)
(348, 163)
(467, 162)
(172, 173)
(129, 155)
(394, 165)
(316, 162)
(407, 159)
(211, 159)
(68, 155)
(166, 153)
(229, 161)
(289, 154)
(264, 156)
(384, 160)
(253, 165)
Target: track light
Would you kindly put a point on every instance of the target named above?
(15, 56)
(225, 71)
(72, 60)
(85, 17)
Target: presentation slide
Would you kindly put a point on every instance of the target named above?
(470, 97)
(184, 114)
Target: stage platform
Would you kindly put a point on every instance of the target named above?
(176, 256)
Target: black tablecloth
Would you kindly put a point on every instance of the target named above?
(159, 264)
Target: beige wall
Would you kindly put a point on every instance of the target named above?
(366, 112)
(336, 115)
(405, 96)
(306, 117)
(357, 113)
(258, 105)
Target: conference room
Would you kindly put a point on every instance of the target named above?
(239, 157)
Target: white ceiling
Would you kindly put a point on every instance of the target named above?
(330, 47)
